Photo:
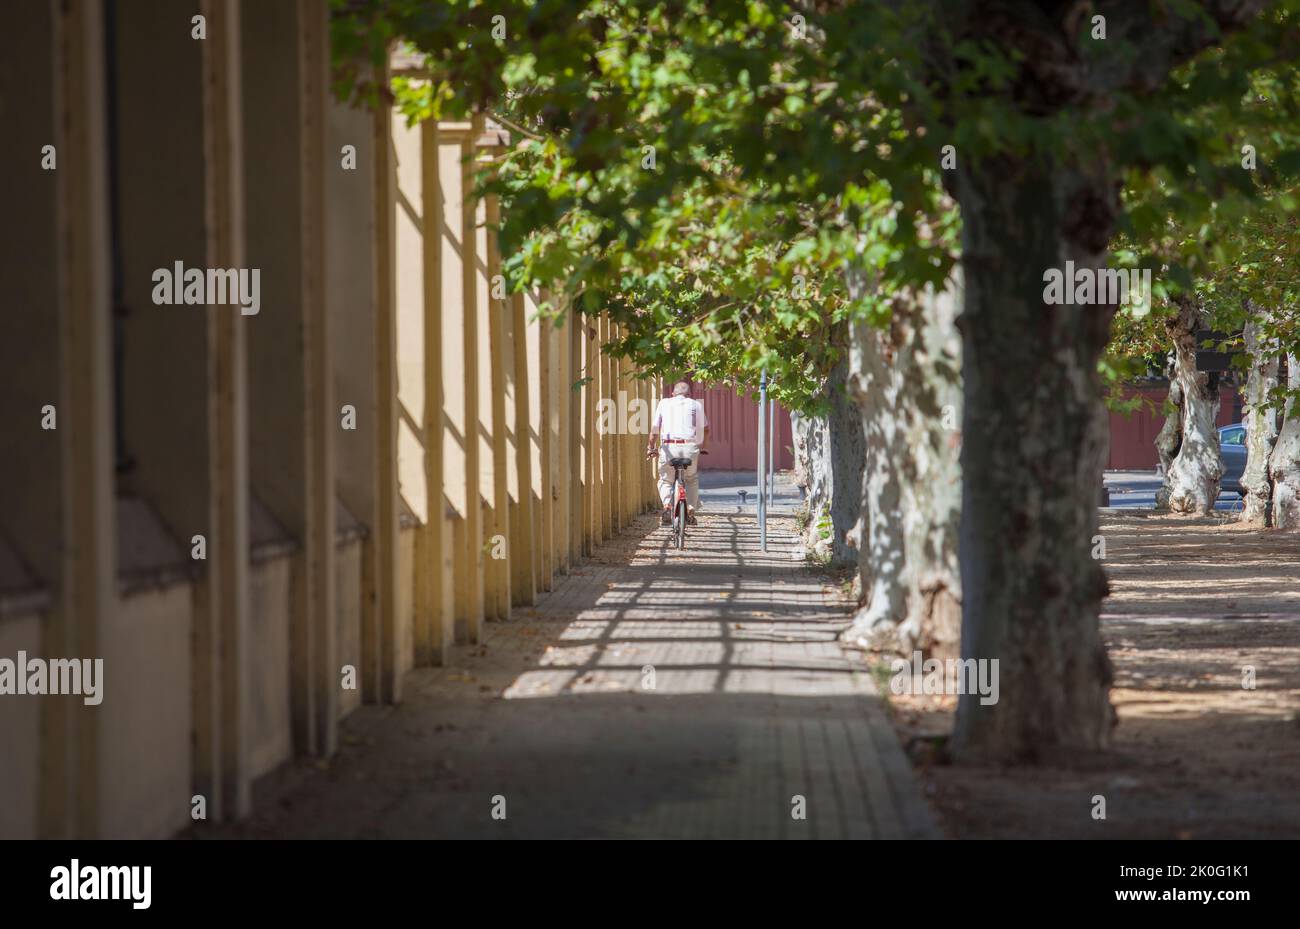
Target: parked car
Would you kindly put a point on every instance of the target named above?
(1232, 446)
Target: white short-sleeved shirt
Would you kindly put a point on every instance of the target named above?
(680, 419)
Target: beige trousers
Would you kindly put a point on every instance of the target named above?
(669, 451)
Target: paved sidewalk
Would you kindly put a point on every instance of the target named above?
(653, 693)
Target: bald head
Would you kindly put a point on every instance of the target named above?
(681, 389)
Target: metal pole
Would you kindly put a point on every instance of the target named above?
(762, 451)
(771, 452)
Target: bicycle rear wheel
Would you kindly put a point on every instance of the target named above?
(679, 524)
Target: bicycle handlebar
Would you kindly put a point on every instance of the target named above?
(651, 454)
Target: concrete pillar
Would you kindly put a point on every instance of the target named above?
(630, 438)
(591, 384)
(638, 448)
(294, 421)
(57, 482)
(608, 519)
(616, 433)
(648, 495)
(435, 606)
(412, 380)
(379, 583)
(494, 460)
(460, 382)
(473, 345)
(631, 495)
(559, 452)
(31, 355)
(180, 199)
(36, 201)
(351, 280)
(649, 501)
(615, 445)
(228, 406)
(638, 458)
(599, 509)
(523, 540)
(573, 474)
(641, 438)
(362, 281)
(554, 377)
(615, 451)
(87, 566)
(540, 376)
(653, 391)
(629, 472)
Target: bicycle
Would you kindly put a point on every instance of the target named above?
(681, 511)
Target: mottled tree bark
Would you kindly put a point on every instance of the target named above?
(906, 381)
(1035, 429)
(1194, 474)
(812, 444)
(1170, 436)
(846, 453)
(1284, 463)
(1260, 420)
(1034, 445)
(799, 433)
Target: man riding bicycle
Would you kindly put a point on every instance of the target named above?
(682, 431)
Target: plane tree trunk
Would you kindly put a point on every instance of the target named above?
(1260, 420)
(1170, 436)
(833, 449)
(846, 454)
(1034, 445)
(812, 449)
(906, 382)
(1284, 462)
(802, 466)
(1195, 472)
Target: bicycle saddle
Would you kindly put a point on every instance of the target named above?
(681, 462)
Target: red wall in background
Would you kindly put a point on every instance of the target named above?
(1133, 435)
(733, 430)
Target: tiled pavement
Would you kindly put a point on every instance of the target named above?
(653, 693)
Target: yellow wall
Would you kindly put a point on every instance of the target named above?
(256, 179)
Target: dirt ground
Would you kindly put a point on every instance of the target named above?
(1193, 604)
